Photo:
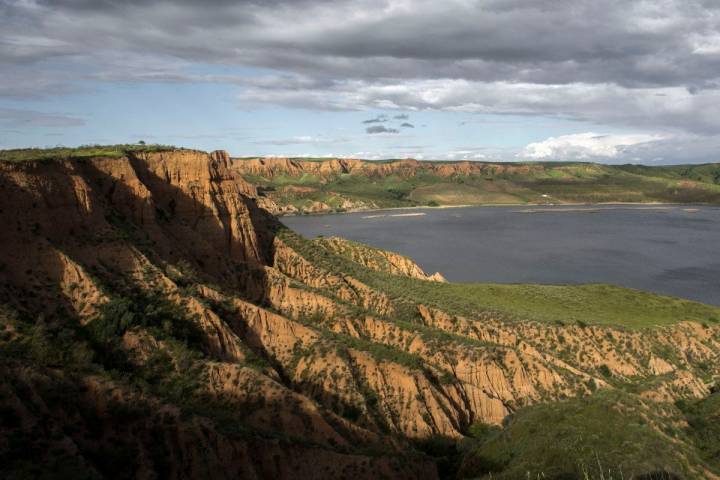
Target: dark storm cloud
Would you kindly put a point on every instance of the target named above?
(407, 125)
(572, 58)
(381, 129)
(628, 42)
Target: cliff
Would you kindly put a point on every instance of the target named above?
(376, 259)
(271, 167)
(192, 335)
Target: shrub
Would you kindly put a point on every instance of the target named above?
(482, 431)
(140, 309)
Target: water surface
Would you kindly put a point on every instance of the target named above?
(671, 250)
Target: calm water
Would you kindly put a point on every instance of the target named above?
(668, 250)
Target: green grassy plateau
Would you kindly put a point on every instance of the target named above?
(85, 151)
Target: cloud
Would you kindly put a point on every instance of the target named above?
(677, 149)
(626, 42)
(407, 125)
(574, 59)
(663, 108)
(408, 147)
(29, 118)
(378, 119)
(584, 146)
(424, 152)
(465, 155)
(301, 140)
(380, 129)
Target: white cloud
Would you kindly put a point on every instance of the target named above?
(675, 149)
(584, 146)
(673, 108)
(706, 45)
(301, 139)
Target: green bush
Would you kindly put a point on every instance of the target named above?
(149, 310)
(482, 431)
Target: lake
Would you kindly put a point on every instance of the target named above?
(672, 250)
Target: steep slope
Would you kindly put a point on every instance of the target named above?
(376, 259)
(190, 334)
(109, 254)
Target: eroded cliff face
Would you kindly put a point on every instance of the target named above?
(274, 166)
(115, 433)
(376, 259)
(250, 356)
(86, 233)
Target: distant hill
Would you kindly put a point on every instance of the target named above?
(297, 185)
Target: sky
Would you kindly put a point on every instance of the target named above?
(614, 81)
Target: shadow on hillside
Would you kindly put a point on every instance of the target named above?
(170, 227)
(182, 230)
(33, 241)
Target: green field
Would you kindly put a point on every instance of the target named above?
(590, 304)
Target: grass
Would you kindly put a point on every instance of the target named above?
(703, 418)
(464, 194)
(589, 304)
(609, 435)
(84, 151)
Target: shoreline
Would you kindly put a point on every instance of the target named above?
(530, 206)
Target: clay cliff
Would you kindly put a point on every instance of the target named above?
(192, 335)
(376, 259)
(274, 166)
